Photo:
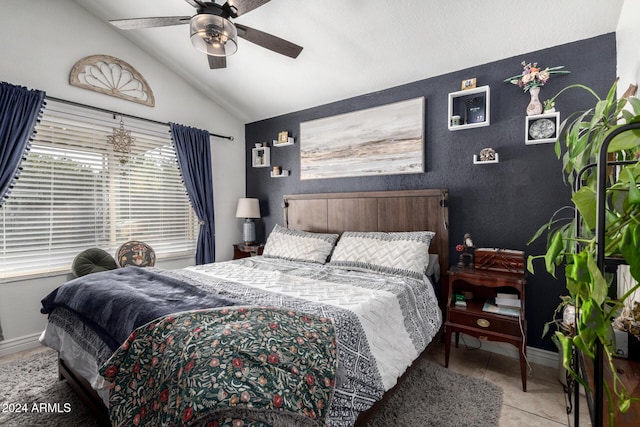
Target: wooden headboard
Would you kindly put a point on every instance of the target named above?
(410, 210)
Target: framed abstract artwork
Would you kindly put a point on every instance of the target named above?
(384, 140)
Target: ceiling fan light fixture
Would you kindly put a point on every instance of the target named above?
(214, 35)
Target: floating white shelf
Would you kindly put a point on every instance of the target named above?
(547, 128)
(282, 174)
(277, 143)
(472, 105)
(480, 162)
(260, 157)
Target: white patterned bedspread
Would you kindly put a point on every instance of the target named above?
(400, 316)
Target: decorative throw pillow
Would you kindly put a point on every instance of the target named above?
(92, 260)
(405, 253)
(135, 253)
(298, 245)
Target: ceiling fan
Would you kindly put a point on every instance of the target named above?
(213, 32)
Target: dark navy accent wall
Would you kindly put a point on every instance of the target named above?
(501, 205)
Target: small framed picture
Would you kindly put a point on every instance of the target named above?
(468, 84)
(542, 128)
(283, 136)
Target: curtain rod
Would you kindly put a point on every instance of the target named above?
(65, 101)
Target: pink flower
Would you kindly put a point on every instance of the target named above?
(236, 362)
(534, 76)
(273, 358)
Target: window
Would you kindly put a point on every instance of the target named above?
(75, 192)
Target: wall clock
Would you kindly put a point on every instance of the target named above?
(542, 128)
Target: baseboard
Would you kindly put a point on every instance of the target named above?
(16, 345)
(534, 355)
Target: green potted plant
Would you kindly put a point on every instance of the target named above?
(549, 106)
(572, 243)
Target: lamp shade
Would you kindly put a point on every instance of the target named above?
(248, 208)
(213, 35)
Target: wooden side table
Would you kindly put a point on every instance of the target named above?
(472, 320)
(241, 250)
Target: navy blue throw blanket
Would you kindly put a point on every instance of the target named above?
(114, 303)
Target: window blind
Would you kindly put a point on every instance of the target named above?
(76, 192)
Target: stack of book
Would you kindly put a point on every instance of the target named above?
(507, 304)
(507, 300)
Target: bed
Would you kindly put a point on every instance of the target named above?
(319, 330)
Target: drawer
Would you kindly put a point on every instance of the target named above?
(488, 321)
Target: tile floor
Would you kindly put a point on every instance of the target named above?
(544, 403)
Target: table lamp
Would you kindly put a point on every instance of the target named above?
(248, 208)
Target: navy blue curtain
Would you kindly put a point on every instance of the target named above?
(20, 109)
(193, 150)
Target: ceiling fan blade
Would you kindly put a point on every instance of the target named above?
(196, 3)
(269, 41)
(244, 6)
(216, 62)
(139, 23)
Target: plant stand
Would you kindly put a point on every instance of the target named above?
(597, 409)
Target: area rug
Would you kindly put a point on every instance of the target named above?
(32, 395)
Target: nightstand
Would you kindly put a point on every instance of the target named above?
(241, 250)
(472, 320)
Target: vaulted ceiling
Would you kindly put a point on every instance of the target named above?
(354, 47)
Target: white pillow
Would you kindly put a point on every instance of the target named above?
(298, 245)
(405, 254)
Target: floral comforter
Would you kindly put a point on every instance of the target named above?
(250, 366)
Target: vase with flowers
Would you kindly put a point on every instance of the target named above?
(531, 79)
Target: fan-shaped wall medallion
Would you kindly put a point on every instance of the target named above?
(111, 76)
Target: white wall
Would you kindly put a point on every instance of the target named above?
(628, 40)
(40, 41)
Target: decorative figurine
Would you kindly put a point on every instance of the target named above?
(487, 154)
(466, 252)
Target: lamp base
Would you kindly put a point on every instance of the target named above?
(249, 231)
